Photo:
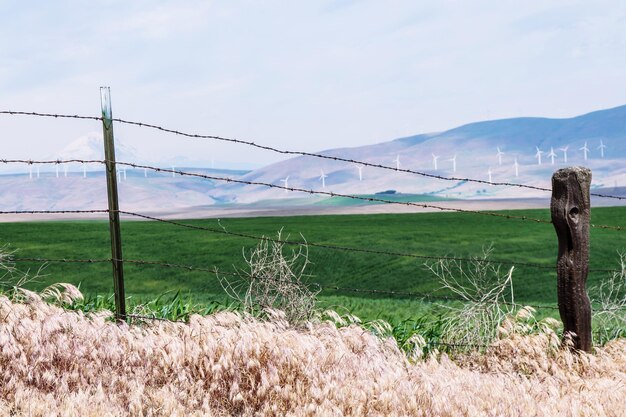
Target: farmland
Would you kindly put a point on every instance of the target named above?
(430, 234)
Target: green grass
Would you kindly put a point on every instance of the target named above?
(432, 234)
(400, 198)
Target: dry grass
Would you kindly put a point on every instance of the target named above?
(54, 362)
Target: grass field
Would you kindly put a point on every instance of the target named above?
(431, 234)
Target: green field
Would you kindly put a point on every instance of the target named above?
(431, 234)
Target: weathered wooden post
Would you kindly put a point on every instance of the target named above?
(570, 208)
(114, 215)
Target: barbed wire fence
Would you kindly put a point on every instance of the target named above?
(431, 296)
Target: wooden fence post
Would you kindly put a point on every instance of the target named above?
(570, 209)
(114, 215)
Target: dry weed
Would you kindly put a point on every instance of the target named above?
(55, 362)
(274, 281)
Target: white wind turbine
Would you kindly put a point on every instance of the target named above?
(286, 182)
(124, 173)
(538, 155)
(65, 171)
(435, 157)
(37, 171)
(397, 161)
(516, 166)
(323, 179)
(453, 160)
(564, 149)
(173, 171)
(552, 155)
(585, 150)
(145, 172)
(84, 171)
(500, 153)
(57, 170)
(602, 147)
(30, 172)
(360, 168)
(489, 174)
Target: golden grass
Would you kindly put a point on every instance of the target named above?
(55, 362)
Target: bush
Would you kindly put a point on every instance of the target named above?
(273, 281)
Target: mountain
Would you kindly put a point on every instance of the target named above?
(90, 146)
(475, 146)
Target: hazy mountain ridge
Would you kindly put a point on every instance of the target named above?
(475, 146)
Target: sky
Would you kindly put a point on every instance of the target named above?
(299, 75)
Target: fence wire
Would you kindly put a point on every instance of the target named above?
(298, 153)
(356, 197)
(53, 211)
(431, 296)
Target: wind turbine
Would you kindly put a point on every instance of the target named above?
(602, 147)
(435, 157)
(173, 171)
(516, 165)
(124, 173)
(585, 149)
(360, 168)
(453, 160)
(397, 161)
(37, 171)
(552, 155)
(323, 179)
(145, 172)
(286, 181)
(65, 171)
(57, 170)
(538, 155)
(30, 172)
(500, 153)
(565, 153)
(84, 171)
(489, 173)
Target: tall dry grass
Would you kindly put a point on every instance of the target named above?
(55, 362)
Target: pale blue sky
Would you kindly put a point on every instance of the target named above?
(302, 75)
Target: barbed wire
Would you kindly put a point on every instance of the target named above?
(52, 161)
(417, 295)
(53, 115)
(217, 271)
(53, 211)
(294, 189)
(355, 197)
(299, 153)
(224, 231)
(340, 159)
(60, 260)
(332, 194)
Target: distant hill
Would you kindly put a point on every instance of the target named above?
(476, 148)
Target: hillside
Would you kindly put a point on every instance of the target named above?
(469, 151)
(476, 148)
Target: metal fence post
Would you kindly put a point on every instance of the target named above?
(571, 211)
(114, 215)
